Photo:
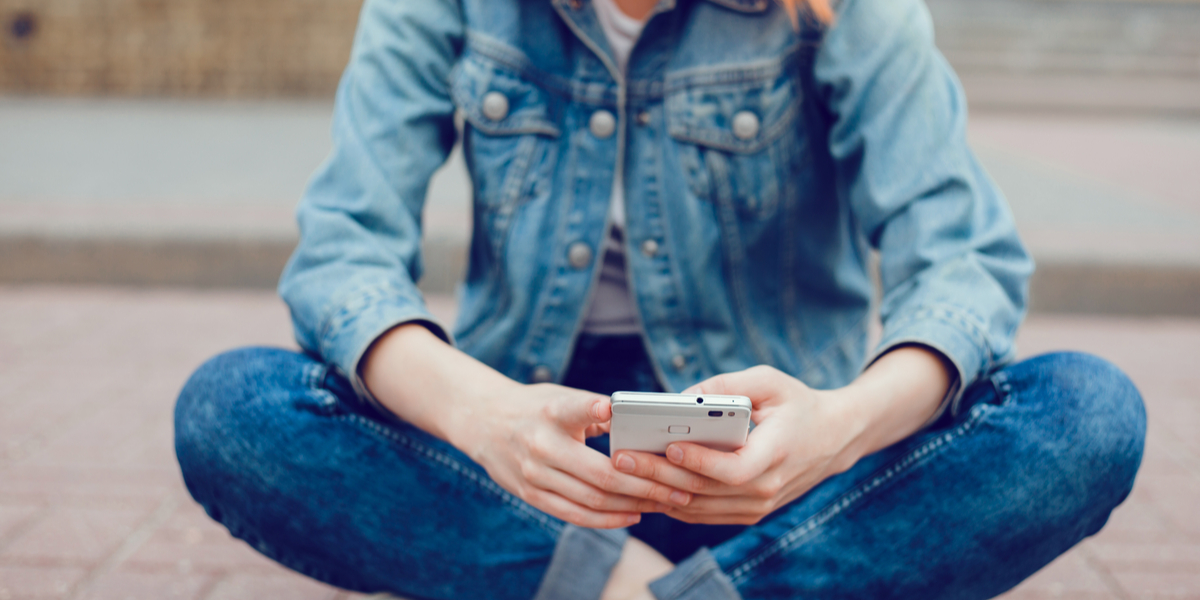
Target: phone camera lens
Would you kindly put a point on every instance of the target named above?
(699, 400)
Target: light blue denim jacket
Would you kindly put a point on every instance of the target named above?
(761, 164)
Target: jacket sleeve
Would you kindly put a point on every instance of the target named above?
(353, 275)
(954, 273)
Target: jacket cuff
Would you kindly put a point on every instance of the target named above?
(948, 330)
(364, 316)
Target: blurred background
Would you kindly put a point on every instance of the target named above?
(165, 142)
(152, 153)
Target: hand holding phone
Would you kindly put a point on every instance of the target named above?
(649, 422)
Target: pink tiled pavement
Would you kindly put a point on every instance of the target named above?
(92, 507)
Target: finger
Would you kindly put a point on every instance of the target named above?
(714, 519)
(597, 470)
(560, 507)
(757, 383)
(656, 468)
(589, 496)
(597, 430)
(578, 412)
(731, 468)
(727, 505)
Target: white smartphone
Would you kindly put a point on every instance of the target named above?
(649, 422)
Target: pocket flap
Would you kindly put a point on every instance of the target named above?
(742, 117)
(527, 107)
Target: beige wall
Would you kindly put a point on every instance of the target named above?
(208, 48)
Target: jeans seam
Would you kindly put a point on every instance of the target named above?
(314, 374)
(851, 498)
(520, 508)
(314, 379)
(1003, 387)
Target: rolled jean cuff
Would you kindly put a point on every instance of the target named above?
(697, 578)
(582, 563)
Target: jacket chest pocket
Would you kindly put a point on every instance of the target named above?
(508, 140)
(738, 142)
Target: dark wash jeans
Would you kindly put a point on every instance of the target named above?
(277, 447)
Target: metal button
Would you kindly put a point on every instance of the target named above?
(495, 106)
(542, 374)
(579, 255)
(745, 125)
(679, 362)
(602, 124)
(649, 247)
(643, 118)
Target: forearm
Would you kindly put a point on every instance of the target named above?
(894, 397)
(427, 382)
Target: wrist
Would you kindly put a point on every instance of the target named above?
(430, 384)
(465, 418)
(855, 415)
(895, 397)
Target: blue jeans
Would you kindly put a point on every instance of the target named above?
(277, 447)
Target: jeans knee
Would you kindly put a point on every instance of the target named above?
(1104, 420)
(206, 412)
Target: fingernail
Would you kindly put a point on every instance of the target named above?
(626, 464)
(633, 519)
(674, 454)
(679, 498)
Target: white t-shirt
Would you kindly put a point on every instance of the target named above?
(612, 311)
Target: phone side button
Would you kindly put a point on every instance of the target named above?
(679, 429)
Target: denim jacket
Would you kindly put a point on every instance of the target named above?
(762, 163)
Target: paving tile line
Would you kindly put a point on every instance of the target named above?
(1101, 571)
(132, 543)
(39, 515)
(1170, 443)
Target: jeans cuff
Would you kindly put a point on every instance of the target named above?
(697, 578)
(582, 563)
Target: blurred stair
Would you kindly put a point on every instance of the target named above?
(1074, 54)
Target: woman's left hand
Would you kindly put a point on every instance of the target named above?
(802, 436)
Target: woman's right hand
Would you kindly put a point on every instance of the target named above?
(529, 438)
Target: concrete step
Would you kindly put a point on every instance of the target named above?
(1103, 30)
(1070, 55)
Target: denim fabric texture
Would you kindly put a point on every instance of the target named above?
(278, 447)
(761, 166)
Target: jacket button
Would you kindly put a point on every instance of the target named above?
(649, 247)
(579, 255)
(602, 124)
(542, 374)
(679, 362)
(643, 118)
(495, 106)
(745, 125)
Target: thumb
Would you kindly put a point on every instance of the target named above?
(756, 383)
(580, 412)
(726, 383)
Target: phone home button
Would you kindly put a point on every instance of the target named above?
(679, 429)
